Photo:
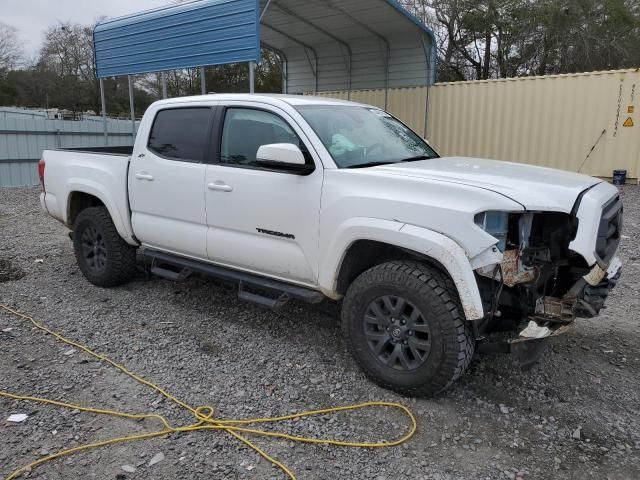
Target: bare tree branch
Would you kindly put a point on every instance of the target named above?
(10, 49)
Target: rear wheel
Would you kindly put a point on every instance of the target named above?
(405, 328)
(104, 258)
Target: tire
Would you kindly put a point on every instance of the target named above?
(104, 258)
(429, 358)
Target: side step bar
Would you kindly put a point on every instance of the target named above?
(169, 274)
(262, 300)
(176, 268)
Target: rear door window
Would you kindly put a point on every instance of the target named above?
(181, 134)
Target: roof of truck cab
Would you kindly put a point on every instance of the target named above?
(273, 99)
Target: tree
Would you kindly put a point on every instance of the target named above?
(584, 35)
(10, 49)
(66, 67)
(507, 38)
(230, 78)
(66, 57)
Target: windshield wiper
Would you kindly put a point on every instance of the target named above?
(377, 164)
(369, 164)
(418, 157)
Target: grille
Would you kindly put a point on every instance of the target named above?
(610, 229)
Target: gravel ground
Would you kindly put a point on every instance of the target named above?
(575, 415)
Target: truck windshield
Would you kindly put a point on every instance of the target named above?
(358, 137)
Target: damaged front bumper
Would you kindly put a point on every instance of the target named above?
(585, 299)
(554, 316)
(543, 276)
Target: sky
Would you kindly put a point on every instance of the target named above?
(32, 17)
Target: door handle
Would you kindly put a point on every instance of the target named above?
(220, 187)
(144, 176)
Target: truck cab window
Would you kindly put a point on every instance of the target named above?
(181, 134)
(246, 130)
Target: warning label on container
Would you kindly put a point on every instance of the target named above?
(628, 122)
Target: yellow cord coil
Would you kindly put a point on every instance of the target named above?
(204, 416)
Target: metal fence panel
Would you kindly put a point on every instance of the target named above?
(18, 174)
(552, 121)
(24, 135)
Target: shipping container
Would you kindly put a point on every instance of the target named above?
(585, 122)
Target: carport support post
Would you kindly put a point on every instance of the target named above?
(104, 113)
(252, 77)
(163, 79)
(203, 82)
(133, 111)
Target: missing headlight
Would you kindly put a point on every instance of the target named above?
(495, 224)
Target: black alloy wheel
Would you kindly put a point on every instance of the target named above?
(103, 256)
(397, 332)
(94, 249)
(405, 327)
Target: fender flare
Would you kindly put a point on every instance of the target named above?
(425, 242)
(90, 187)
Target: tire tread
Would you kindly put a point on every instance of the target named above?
(122, 257)
(455, 329)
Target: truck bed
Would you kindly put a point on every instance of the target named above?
(101, 172)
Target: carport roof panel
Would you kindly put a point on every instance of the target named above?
(205, 32)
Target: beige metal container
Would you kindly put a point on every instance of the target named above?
(588, 122)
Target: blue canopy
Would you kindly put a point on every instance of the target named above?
(208, 32)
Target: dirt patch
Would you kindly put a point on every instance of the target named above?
(8, 272)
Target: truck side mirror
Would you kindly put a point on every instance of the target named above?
(287, 153)
(285, 157)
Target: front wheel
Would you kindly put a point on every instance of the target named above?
(104, 258)
(406, 329)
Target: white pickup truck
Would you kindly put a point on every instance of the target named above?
(309, 198)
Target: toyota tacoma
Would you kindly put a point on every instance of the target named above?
(295, 197)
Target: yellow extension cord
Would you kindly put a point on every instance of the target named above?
(204, 416)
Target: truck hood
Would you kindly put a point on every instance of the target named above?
(535, 188)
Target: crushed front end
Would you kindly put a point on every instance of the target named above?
(555, 267)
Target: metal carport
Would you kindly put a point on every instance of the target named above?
(324, 44)
(350, 44)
